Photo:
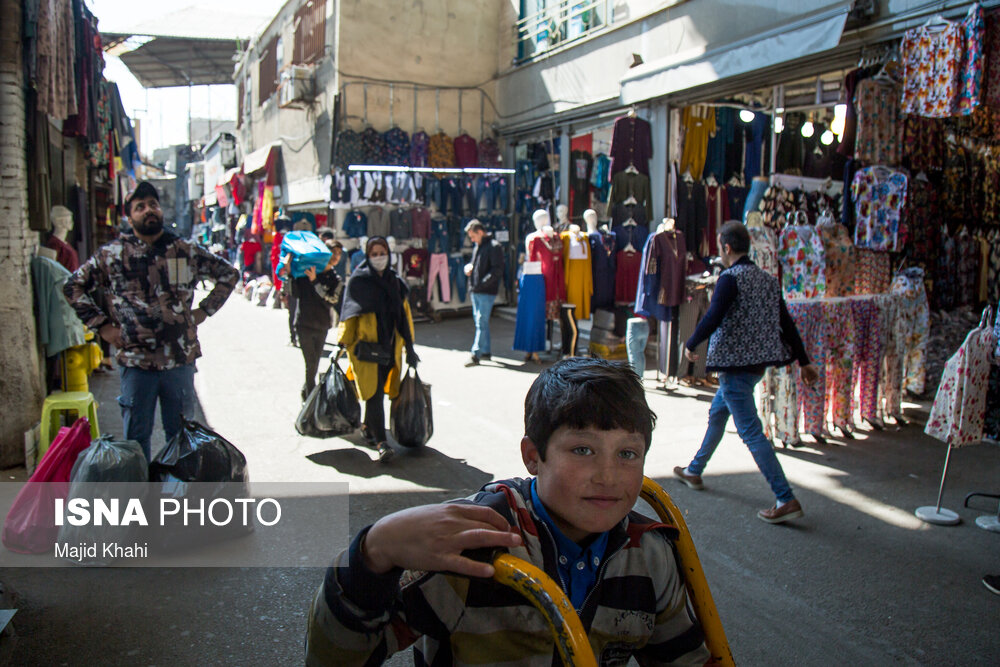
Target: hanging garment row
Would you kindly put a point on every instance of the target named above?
(395, 147)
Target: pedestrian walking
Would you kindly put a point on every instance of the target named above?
(748, 328)
(316, 293)
(375, 327)
(484, 273)
(137, 293)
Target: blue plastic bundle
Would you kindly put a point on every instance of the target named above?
(307, 250)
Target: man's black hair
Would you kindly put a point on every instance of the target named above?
(579, 393)
(143, 190)
(736, 235)
(474, 226)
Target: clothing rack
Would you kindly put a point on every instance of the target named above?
(428, 170)
(807, 183)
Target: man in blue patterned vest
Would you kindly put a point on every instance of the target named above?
(749, 329)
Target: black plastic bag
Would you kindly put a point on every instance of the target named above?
(331, 408)
(198, 465)
(338, 410)
(411, 418)
(107, 470)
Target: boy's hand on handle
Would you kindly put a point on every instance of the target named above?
(433, 537)
(809, 374)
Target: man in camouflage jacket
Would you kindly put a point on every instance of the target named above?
(137, 293)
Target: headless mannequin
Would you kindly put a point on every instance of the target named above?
(562, 217)
(590, 217)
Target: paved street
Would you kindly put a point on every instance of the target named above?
(859, 580)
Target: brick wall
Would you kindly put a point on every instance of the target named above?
(20, 373)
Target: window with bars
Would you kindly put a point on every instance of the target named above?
(267, 71)
(310, 32)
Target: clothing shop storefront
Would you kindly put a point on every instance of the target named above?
(420, 189)
(868, 191)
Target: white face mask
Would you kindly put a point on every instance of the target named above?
(379, 263)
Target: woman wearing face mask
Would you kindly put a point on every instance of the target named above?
(375, 326)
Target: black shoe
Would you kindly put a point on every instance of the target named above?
(473, 361)
(992, 582)
(385, 452)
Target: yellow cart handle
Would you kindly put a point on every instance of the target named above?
(694, 575)
(546, 596)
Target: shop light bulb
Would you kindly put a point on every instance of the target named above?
(826, 138)
(746, 115)
(779, 124)
(839, 116)
(807, 129)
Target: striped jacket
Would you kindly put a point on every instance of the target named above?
(637, 607)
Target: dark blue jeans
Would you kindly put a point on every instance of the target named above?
(140, 391)
(735, 397)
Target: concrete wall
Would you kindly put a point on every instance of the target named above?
(588, 71)
(20, 374)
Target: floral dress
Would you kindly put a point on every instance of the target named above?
(914, 316)
(764, 248)
(959, 408)
(932, 68)
(879, 126)
(803, 266)
(972, 61)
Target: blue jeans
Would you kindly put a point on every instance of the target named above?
(432, 191)
(483, 190)
(140, 390)
(456, 269)
(482, 306)
(636, 337)
(501, 193)
(735, 397)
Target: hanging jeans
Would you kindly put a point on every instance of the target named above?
(451, 196)
(432, 192)
(636, 337)
(456, 267)
(482, 307)
(141, 390)
(812, 326)
(438, 272)
(867, 354)
(735, 397)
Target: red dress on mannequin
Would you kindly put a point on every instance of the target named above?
(548, 251)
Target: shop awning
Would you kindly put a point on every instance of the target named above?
(809, 35)
(261, 159)
(162, 62)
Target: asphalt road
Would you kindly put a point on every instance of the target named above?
(859, 580)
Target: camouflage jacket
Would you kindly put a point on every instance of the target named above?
(148, 290)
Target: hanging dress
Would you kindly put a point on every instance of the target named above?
(803, 263)
(838, 252)
(579, 273)
(529, 328)
(960, 403)
(548, 251)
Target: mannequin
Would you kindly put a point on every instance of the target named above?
(530, 325)
(62, 223)
(590, 217)
(540, 218)
(578, 271)
(603, 265)
(562, 217)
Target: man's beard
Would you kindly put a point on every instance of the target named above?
(151, 225)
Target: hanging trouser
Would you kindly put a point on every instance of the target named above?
(891, 324)
(690, 314)
(780, 404)
(867, 354)
(636, 337)
(570, 333)
(456, 267)
(839, 356)
(812, 326)
(668, 344)
(438, 271)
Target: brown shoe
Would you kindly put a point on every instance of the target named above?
(694, 481)
(790, 510)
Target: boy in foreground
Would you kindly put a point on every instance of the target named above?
(405, 578)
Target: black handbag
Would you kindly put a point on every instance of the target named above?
(373, 352)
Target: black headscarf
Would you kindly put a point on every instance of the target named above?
(368, 292)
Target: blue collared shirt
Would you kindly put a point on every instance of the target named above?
(578, 566)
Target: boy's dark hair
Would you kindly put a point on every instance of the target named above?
(736, 235)
(580, 393)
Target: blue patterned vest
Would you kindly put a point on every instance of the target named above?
(750, 332)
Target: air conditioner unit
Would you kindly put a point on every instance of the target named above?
(296, 87)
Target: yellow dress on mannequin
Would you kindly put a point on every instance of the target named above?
(578, 272)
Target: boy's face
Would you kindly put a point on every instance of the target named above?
(590, 478)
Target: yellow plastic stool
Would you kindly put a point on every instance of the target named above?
(59, 402)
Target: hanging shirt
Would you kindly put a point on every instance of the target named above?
(803, 263)
(395, 147)
(932, 64)
(601, 177)
(418, 149)
(879, 129)
(440, 151)
(631, 144)
(372, 145)
(466, 151)
(879, 196)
